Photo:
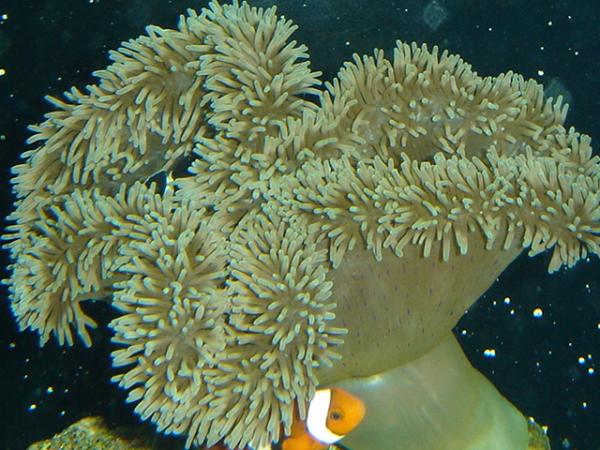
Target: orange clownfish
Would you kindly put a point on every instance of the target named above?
(332, 413)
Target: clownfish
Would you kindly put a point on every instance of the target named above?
(332, 413)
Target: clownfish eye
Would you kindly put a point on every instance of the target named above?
(336, 415)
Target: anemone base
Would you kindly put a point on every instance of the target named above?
(437, 402)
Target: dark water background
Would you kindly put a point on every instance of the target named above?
(548, 366)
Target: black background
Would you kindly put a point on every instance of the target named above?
(47, 46)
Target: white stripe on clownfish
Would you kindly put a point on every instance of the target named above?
(316, 418)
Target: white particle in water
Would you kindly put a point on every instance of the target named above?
(537, 313)
(489, 353)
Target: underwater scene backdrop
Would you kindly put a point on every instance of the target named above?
(535, 336)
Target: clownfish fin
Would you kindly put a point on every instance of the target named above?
(303, 442)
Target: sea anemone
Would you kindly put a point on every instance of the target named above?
(318, 236)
